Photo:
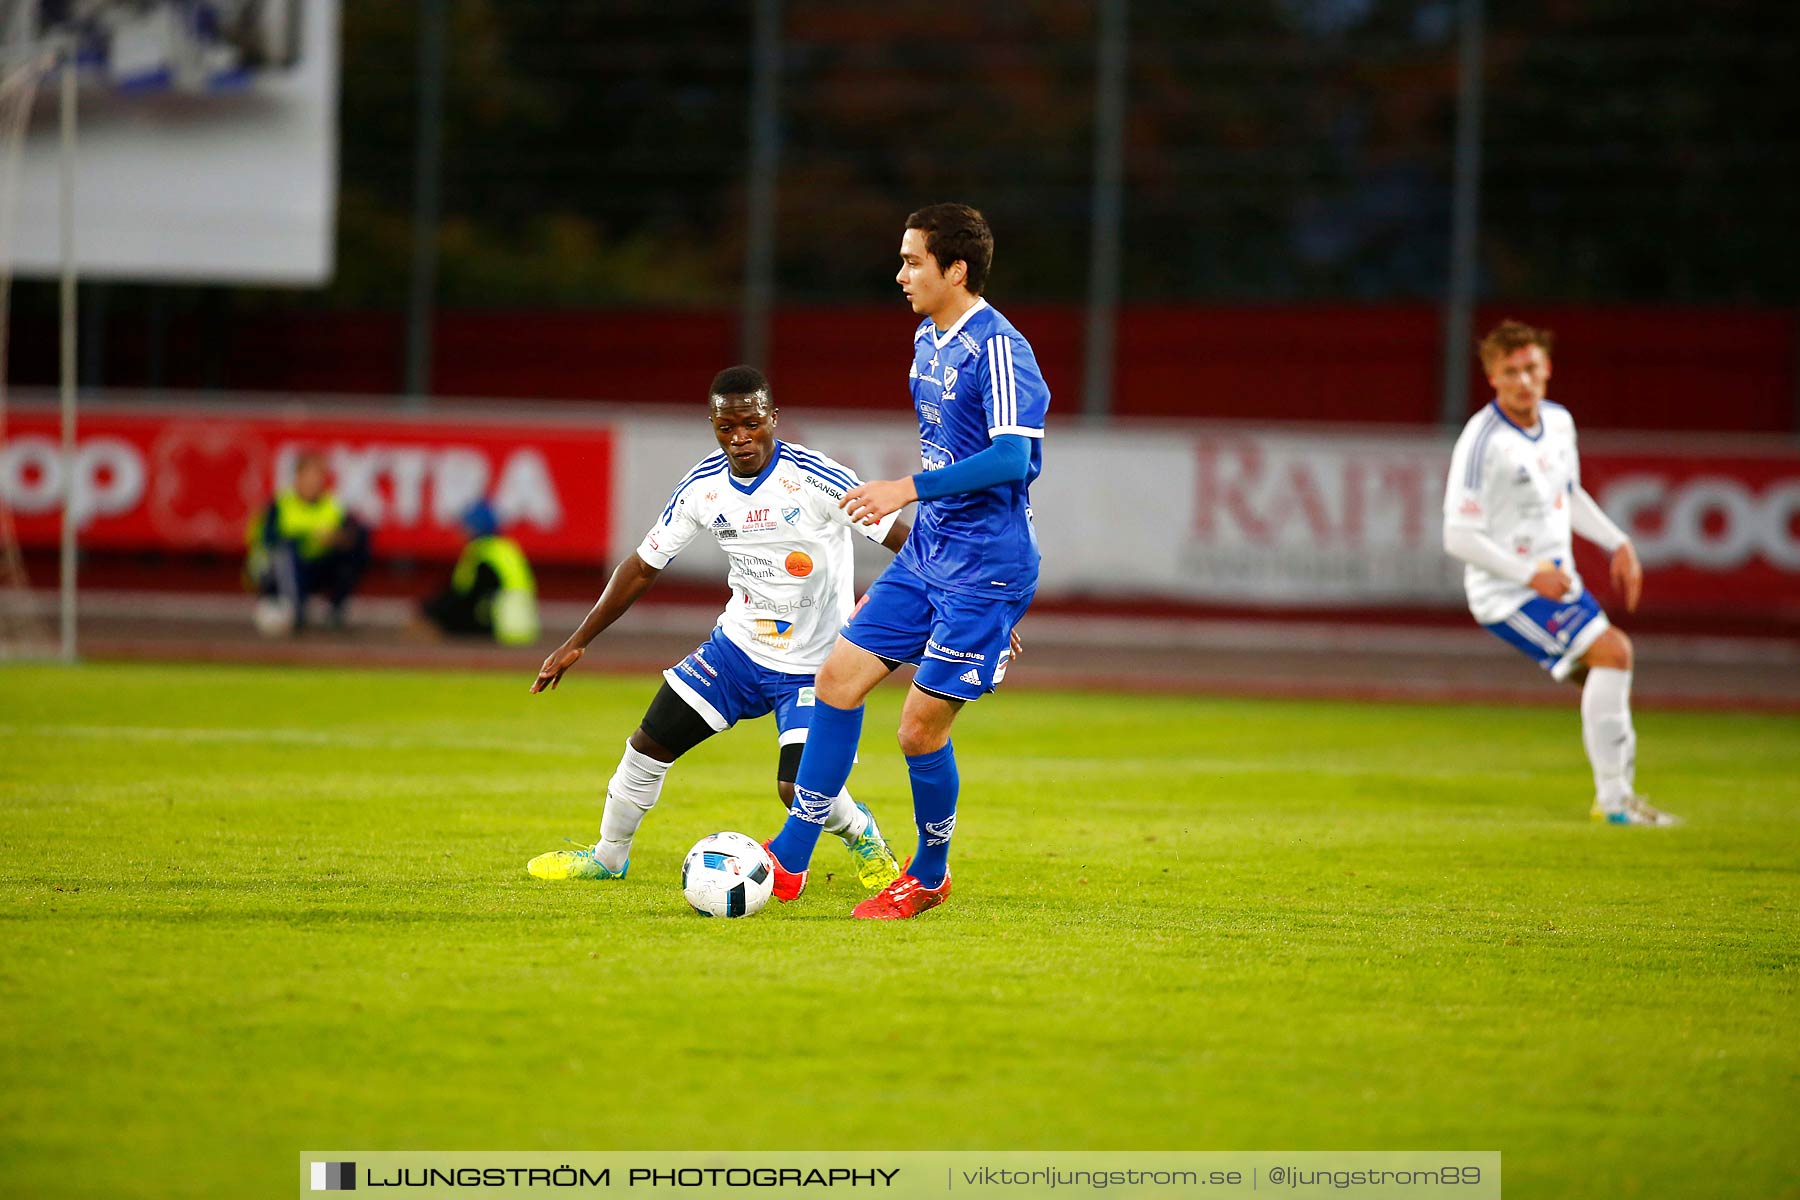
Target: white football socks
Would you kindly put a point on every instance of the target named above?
(1607, 733)
(630, 795)
(846, 820)
(637, 783)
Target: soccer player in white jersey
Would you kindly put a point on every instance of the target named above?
(949, 601)
(1513, 497)
(772, 507)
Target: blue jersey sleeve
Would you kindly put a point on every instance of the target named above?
(1007, 460)
(1017, 397)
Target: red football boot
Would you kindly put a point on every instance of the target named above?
(903, 898)
(788, 884)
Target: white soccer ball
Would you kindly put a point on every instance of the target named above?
(727, 875)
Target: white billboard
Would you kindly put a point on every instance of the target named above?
(1211, 514)
(206, 140)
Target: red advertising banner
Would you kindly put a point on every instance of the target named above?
(1294, 518)
(1715, 530)
(185, 480)
(1287, 518)
(1251, 515)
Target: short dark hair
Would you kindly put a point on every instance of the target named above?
(953, 232)
(740, 381)
(1510, 335)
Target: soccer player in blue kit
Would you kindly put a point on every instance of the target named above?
(965, 576)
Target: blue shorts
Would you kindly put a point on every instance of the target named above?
(725, 685)
(1554, 633)
(960, 642)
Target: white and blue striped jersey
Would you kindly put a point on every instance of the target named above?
(789, 548)
(975, 381)
(1515, 487)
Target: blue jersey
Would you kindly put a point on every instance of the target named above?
(971, 383)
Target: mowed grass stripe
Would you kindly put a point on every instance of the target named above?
(1048, 765)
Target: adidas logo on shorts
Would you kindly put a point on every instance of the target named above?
(971, 676)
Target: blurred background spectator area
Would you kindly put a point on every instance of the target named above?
(1284, 205)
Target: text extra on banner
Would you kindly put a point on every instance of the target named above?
(190, 480)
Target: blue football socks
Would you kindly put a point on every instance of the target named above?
(935, 783)
(824, 770)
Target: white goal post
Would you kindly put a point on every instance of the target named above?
(24, 63)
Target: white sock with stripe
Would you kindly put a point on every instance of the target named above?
(630, 795)
(846, 820)
(1607, 733)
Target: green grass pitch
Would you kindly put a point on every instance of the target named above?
(250, 912)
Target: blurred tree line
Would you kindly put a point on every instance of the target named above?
(1280, 150)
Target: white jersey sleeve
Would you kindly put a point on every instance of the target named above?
(826, 499)
(1466, 500)
(1588, 519)
(1478, 519)
(678, 524)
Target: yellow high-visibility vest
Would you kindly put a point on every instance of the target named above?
(309, 526)
(513, 610)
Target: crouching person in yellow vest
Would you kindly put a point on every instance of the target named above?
(492, 591)
(304, 544)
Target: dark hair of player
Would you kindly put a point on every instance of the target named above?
(1510, 335)
(740, 381)
(957, 232)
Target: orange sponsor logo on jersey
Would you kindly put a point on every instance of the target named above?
(799, 564)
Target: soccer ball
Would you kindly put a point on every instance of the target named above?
(727, 875)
